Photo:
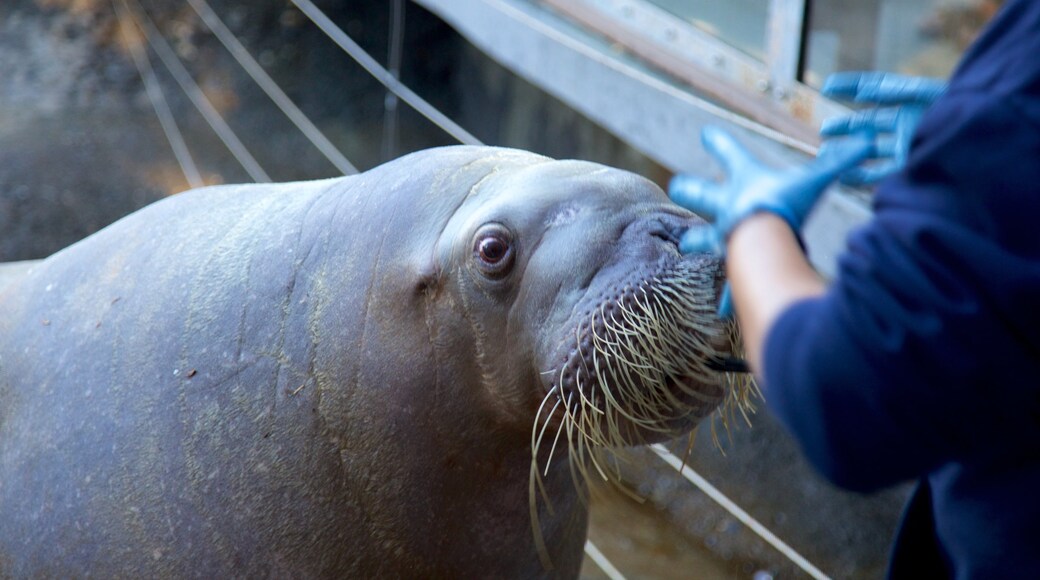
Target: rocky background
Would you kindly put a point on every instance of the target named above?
(80, 146)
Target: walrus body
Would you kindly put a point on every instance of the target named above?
(321, 379)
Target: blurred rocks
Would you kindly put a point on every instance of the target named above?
(80, 146)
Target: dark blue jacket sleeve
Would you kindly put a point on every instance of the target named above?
(926, 348)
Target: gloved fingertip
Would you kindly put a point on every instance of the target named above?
(869, 175)
(841, 84)
(726, 303)
(718, 138)
(834, 126)
(694, 194)
(836, 154)
(700, 240)
(682, 182)
(675, 183)
(710, 132)
(725, 147)
(714, 138)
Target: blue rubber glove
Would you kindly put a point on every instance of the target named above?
(902, 100)
(753, 187)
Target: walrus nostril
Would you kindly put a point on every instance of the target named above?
(665, 235)
(667, 229)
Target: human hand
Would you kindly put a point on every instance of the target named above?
(902, 100)
(752, 187)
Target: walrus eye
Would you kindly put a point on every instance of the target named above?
(493, 250)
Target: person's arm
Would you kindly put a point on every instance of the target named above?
(768, 272)
(914, 355)
(767, 267)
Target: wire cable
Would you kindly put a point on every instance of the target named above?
(393, 61)
(602, 561)
(192, 90)
(745, 518)
(155, 94)
(269, 86)
(382, 75)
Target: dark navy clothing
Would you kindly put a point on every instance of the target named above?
(923, 358)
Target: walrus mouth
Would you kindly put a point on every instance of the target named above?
(729, 365)
(649, 359)
(644, 363)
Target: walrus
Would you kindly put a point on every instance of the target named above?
(401, 373)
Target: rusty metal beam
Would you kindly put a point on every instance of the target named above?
(756, 103)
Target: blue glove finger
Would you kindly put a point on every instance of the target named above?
(695, 194)
(878, 120)
(842, 85)
(839, 155)
(734, 157)
(904, 89)
(893, 147)
(802, 192)
(726, 303)
(868, 174)
(700, 240)
(882, 88)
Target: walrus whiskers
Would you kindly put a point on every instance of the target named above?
(552, 449)
(650, 346)
(536, 443)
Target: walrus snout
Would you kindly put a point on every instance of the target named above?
(655, 238)
(639, 361)
(666, 232)
(666, 228)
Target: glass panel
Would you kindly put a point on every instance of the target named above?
(740, 23)
(908, 36)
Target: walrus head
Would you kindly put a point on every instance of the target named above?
(605, 335)
(590, 327)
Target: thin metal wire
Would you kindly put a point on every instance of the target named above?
(269, 86)
(382, 75)
(745, 518)
(393, 61)
(602, 561)
(155, 94)
(192, 90)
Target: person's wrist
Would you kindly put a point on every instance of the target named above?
(761, 223)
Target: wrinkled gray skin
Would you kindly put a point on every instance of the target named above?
(309, 379)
